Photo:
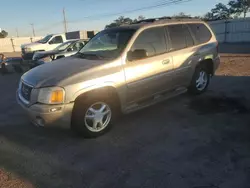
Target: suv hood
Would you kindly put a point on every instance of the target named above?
(55, 72)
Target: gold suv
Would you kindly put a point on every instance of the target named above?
(120, 70)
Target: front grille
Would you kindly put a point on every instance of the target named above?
(26, 91)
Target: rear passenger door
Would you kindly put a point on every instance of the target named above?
(153, 73)
(182, 48)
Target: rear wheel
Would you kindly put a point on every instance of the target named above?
(200, 80)
(93, 116)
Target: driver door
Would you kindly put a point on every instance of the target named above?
(54, 42)
(151, 74)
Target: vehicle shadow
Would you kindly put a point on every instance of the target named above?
(60, 158)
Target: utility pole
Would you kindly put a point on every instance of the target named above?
(33, 29)
(17, 35)
(64, 21)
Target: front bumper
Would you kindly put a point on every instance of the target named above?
(43, 115)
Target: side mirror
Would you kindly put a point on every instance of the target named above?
(51, 42)
(136, 54)
(69, 50)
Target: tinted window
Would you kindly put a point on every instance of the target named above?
(201, 32)
(180, 37)
(90, 34)
(57, 40)
(78, 46)
(152, 41)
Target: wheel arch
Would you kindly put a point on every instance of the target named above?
(99, 91)
(209, 64)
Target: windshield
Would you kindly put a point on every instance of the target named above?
(64, 46)
(45, 39)
(108, 43)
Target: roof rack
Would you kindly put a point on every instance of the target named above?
(151, 20)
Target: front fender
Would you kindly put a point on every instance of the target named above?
(91, 88)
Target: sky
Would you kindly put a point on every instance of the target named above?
(47, 15)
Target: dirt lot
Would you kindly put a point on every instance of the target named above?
(186, 142)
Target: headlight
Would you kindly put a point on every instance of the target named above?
(27, 49)
(51, 95)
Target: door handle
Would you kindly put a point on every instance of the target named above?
(165, 62)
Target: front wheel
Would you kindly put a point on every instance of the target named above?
(93, 117)
(200, 80)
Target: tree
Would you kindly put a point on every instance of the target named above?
(221, 12)
(238, 7)
(181, 15)
(120, 21)
(123, 20)
(139, 19)
(208, 16)
(3, 34)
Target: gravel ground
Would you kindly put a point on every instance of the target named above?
(185, 142)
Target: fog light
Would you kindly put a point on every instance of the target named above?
(40, 121)
(55, 109)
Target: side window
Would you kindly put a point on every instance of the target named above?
(56, 40)
(201, 32)
(180, 37)
(78, 46)
(152, 41)
(189, 38)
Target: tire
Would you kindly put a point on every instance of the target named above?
(196, 88)
(84, 126)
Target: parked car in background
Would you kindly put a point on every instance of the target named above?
(121, 70)
(52, 41)
(64, 50)
(49, 42)
(10, 64)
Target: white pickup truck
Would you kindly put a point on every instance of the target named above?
(52, 41)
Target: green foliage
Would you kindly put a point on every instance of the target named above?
(234, 9)
(221, 12)
(239, 7)
(209, 16)
(123, 20)
(3, 34)
(126, 20)
(181, 15)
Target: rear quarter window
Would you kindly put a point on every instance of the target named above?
(180, 37)
(201, 32)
